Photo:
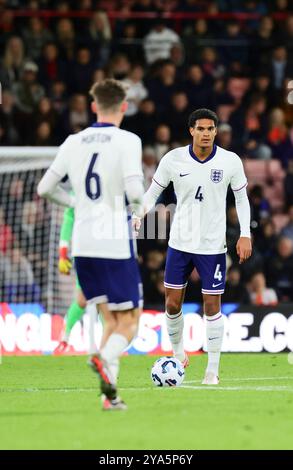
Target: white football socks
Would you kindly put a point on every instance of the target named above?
(175, 324)
(111, 352)
(214, 333)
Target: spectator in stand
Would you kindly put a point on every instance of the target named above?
(288, 184)
(162, 141)
(236, 46)
(279, 270)
(210, 63)
(163, 86)
(119, 67)
(51, 66)
(157, 288)
(176, 117)
(145, 122)
(129, 44)
(28, 92)
(235, 291)
(9, 134)
(278, 137)
(286, 35)
(149, 164)
(260, 210)
(195, 38)
(259, 293)
(153, 263)
(159, 41)
(267, 239)
(81, 72)
(232, 232)
(193, 288)
(98, 37)
(58, 96)
(262, 43)
(281, 67)
(6, 235)
(66, 39)
(44, 135)
(77, 117)
(287, 231)
(224, 137)
(35, 36)
(197, 87)
(12, 63)
(45, 113)
(136, 90)
(250, 126)
(16, 276)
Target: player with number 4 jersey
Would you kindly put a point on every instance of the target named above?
(201, 173)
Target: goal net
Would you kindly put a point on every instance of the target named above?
(29, 233)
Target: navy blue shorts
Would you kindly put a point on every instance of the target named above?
(211, 269)
(113, 281)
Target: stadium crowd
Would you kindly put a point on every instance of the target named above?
(243, 70)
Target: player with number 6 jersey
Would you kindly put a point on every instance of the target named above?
(201, 173)
(104, 166)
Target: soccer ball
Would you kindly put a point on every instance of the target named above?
(167, 372)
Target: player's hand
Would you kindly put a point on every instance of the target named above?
(136, 224)
(64, 263)
(243, 249)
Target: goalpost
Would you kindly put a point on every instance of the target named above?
(29, 233)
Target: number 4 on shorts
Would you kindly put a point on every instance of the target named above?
(218, 274)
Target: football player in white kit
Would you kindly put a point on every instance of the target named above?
(201, 173)
(103, 164)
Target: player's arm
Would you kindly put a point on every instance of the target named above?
(65, 263)
(161, 180)
(49, 187)
(238, 185)
(132, 172)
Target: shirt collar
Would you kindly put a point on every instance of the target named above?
(212, 154)
(102, 124)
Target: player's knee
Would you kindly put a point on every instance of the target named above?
(173, 306)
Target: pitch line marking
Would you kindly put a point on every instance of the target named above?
(248, 379)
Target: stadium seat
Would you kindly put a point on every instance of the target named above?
(256, 171)
(275, 170)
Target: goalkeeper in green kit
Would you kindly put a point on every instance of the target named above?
(77, 308)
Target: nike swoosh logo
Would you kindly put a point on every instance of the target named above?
(216, 285)
(184, 174)
(216, 337)
(172, 334)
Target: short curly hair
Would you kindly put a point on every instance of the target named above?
(202, 113)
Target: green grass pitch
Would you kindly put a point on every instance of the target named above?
(52, 403)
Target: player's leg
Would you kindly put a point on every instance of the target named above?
(73, 315)
(175, 321)
(214, 336)
(114, 286)
(178, 268)
(120, 338)
(109, 320)
(212, 270)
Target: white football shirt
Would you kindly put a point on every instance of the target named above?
(98, 161)
(199, 224)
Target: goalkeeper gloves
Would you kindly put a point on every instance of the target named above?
(64, 264)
